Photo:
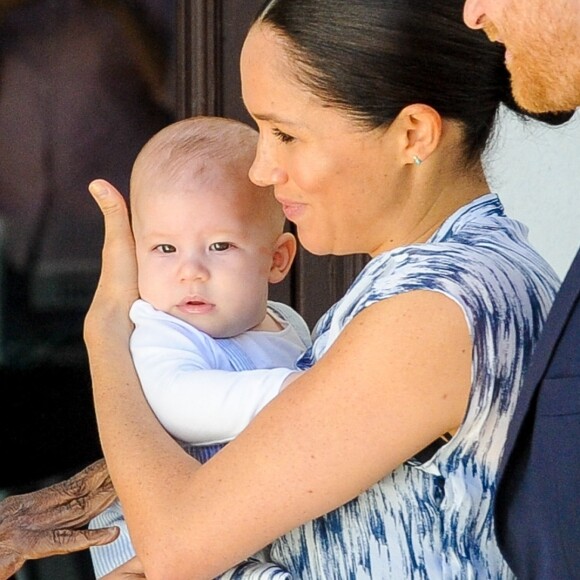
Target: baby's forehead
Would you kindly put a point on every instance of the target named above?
(203, 173)
(226, 189)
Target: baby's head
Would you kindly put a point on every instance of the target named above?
(208, 240)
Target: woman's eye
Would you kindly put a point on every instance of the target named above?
(165, 249)
(220, 246)
(281, 136)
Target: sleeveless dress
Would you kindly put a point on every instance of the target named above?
(433, 519)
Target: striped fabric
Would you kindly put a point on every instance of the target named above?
(434, 520)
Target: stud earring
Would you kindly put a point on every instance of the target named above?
(417, 160)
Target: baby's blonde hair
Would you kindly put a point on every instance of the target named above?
(196, 142)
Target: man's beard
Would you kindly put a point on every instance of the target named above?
(540, 83)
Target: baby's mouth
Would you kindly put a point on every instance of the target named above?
(195, 306)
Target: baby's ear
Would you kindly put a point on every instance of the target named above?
(282, 257)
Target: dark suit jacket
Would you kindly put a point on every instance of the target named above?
(537, 507)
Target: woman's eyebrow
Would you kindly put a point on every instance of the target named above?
(273, 118)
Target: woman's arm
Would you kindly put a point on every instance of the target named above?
(396, 379)
(132, 569)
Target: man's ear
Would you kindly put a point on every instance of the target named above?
(282, 257)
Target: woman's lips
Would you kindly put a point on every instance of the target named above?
(292, 210)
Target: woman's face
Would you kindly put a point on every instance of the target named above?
(332, 177)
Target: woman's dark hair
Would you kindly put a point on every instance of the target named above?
(371, 58)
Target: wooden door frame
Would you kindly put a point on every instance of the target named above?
(198, 57)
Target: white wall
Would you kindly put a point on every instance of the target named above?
(536, 171)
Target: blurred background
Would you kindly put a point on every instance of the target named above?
(83, 85)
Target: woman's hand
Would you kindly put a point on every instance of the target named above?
(117, 288)
(45, 522)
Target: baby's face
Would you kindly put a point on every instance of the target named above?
(203, 255)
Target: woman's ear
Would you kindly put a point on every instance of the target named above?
(421, 132)
(282, 257)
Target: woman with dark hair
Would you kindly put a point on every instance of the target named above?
(380, 461)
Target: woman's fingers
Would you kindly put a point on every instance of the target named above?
(119, 248)
(117, 288)
(106, 195)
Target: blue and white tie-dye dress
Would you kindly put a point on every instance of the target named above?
(434, 519)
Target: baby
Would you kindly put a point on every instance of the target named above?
(207, 341)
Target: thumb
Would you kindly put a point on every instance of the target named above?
(112, 205)
(119, 266)
(118, 235)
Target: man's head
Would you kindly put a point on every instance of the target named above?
(208, 240)
(542, 40)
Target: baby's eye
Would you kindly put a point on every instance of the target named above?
(220, 246)
(281, 136)
(165, 249)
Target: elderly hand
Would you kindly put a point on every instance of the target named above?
(117, 288)
(45, 522)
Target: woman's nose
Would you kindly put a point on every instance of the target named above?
(265, 170)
